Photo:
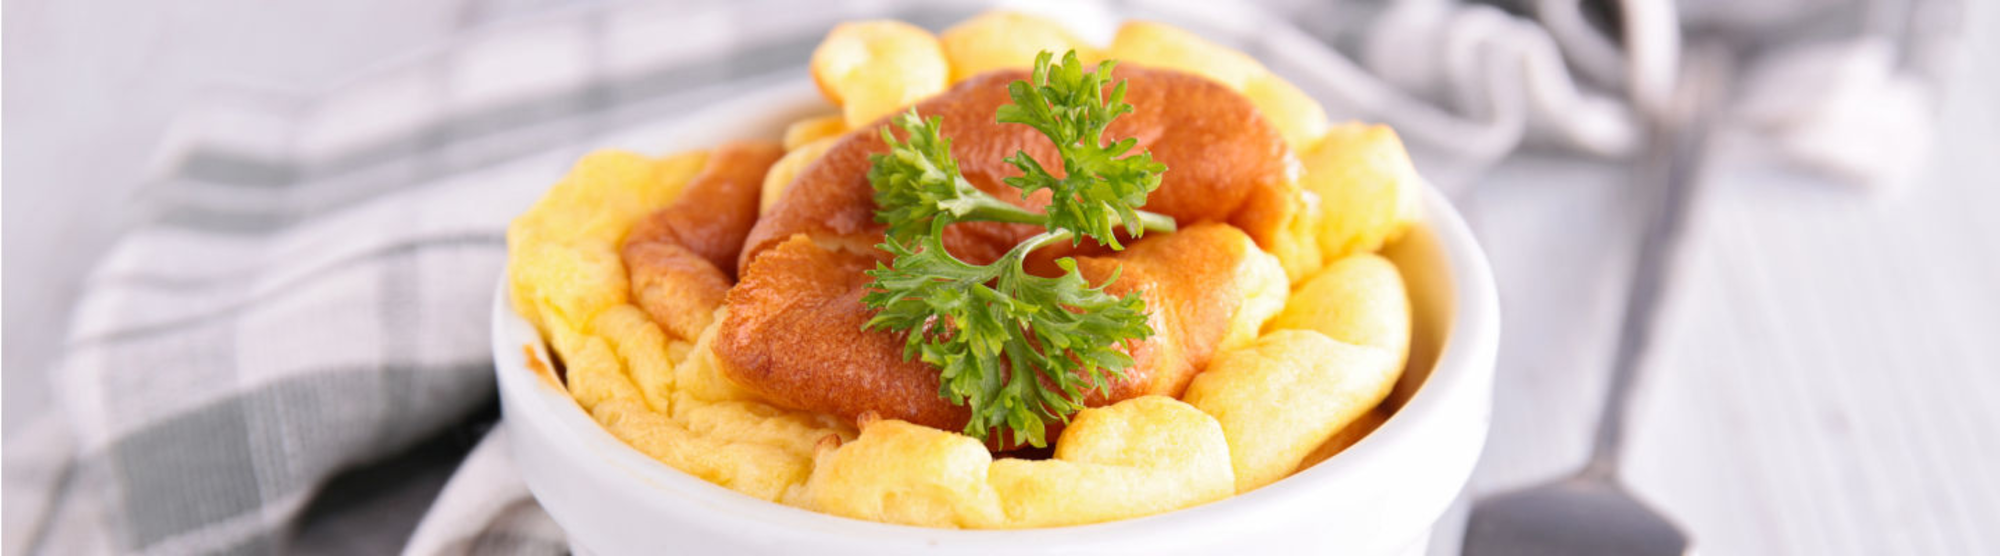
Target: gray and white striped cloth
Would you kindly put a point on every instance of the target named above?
(296, 338)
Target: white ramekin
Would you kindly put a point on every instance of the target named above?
(1381, 496)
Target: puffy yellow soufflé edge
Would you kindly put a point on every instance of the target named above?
(1305, 387)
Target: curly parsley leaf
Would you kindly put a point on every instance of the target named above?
(1102, 185)
(1020, 351)
(918, 180)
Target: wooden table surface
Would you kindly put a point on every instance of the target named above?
(1829, 366)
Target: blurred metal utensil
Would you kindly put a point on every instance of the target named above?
(1591, 512)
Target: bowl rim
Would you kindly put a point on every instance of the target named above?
(1464, 361)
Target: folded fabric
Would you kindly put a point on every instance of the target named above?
(486, 509)
(214, 378)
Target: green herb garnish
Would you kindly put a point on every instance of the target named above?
(1019, 350)
(1101, 185)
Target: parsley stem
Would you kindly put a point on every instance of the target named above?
(1155, 222)
(1039, 241)
(1152, 221)
(988, 208)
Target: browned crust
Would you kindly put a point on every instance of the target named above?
(1225, 164)
(794, 336)
(794, 331)
(1193, 288)
(541, 370)
(682, 258)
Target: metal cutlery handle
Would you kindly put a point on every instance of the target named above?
(1671, 170)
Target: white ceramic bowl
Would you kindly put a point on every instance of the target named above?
(1381, 496)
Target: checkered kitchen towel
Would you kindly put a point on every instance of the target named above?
(308, 294)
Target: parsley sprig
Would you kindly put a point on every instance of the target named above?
(1020, 350)
(1101, 186)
